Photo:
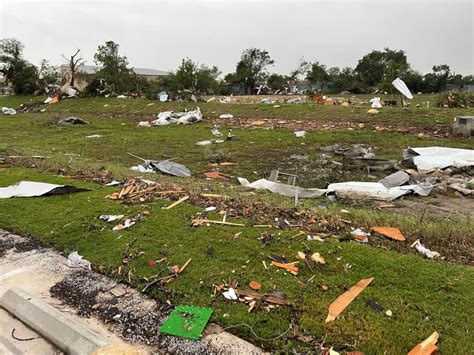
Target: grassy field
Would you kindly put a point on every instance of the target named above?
(424, 295)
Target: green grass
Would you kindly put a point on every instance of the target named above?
(424, 295)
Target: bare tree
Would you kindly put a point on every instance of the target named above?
(74, 64)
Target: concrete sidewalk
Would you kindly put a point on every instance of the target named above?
(35, 272)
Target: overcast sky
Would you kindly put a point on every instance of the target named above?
(158, 34)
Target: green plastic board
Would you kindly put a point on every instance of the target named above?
(187, 321)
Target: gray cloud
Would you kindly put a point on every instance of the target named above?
(159, 34)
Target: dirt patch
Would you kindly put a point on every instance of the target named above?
(9, 241)
(436, 206)
(360, 122)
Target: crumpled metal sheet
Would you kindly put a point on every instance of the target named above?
(165, 166)
(427, 159)
(400, 85)
(31, 189)
(396, 179)
(353, 189)
(172, 168)
(282, 189)
(377, 190)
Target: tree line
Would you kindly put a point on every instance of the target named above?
(376, 69)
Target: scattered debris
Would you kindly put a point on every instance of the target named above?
(375, 102)
(289, 267)
(215, 131)
(317, 258)
(217, 175)
(164, 166)
(427, 159)
(314, 237)
(267, 101)
(344, 300)
(163, 96)
(75, 260)
(377, 190)
(210, 141)
(300, 134)
(226, 116)
(187, 322)
(423, 250)
(360, 235)
(374, 305)
(390, 232)
(8, 111)
(175, 270)
(111, 218)
(22, 339)
(427, 346)
(255, 285)
(282, 189)
(186, 117)
(230, 294)
(200, 222)
(176, 203)
(94, 136)
(293, 100)
(126, 224)
(396, 179)
(32, 189)
(71, 121)
(373, 111)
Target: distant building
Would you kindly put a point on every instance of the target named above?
(86, 73)
(462, 88)
(5, 89)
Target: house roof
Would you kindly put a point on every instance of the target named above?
(92, 69)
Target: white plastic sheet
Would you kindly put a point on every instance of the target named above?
(282, 189)
(167, 117)
(352, 189)
(300, 134)
(163, 96)
(31, 189)
(8, 111)
(430, 158)
(376, 190)
(376, 102)
(425, 251)
(400, 85)
(75, 260)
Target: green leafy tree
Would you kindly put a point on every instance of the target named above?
(47, 74)
(414, 81)
(208, 79)
(380, 68)
(278, 82)
(317, 73)
(436, 80)
(114, 67)
(251, 70)
(189, 77)
(19, 72)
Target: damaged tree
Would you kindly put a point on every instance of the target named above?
(74, 62)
